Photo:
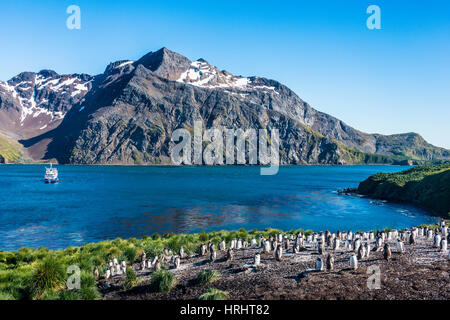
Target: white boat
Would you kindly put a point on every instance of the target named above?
(51, 175)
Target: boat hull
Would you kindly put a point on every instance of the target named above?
(51, 180)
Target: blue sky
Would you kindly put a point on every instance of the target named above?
(392, 80)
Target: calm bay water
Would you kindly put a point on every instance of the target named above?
(93, 203)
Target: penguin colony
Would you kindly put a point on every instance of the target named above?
(327, 247)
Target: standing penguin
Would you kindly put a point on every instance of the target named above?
(319, 264)
(287, 244)
(182, 253)
(379, 244)
(330, 262)
(444, 245)
(279, 252)
(143, 255)
(230, 254)
(157, 265)
(222, 245)
(321, 247)
(367, 247)
(336, 243)
(353, 262)
(387, 252)
(437, 241)
(203, 250)
(257, 260)
(356, 245)
(177, 262)
(267, 246)
(213, 255)
(412, 238)
(361, 252)
(400, 246)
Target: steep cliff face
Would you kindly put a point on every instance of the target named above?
(127, 115)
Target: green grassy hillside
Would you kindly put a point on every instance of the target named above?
(9, 150)
(427, 186)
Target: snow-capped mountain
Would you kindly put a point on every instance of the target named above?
(33, 103)
(127, 114)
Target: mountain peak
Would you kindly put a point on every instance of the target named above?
(165, 63)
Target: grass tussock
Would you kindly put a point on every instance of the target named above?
(131, 279)
(214, 294)
(162, 281)
(208, 277)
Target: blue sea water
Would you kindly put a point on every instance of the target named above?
(93, 203)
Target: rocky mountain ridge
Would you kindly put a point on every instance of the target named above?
(127, 115)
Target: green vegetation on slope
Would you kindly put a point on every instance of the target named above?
(356, 156)
(9, 150)
(427, 186)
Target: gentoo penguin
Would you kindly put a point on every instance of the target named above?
(321, 248)
(107, 274)
(274, 245)
(356, 245)
(353, 262)
(203, 249)
(330, 262)
(124, 264)
(279, 252)
(319, 264)
(182, 254)
(222, 245)
(287, 244)
(336, 243)
(387, 252)
(157, 265)
(437, 241)
(257, 260)
(142, 264)
(367, 248)
(253, 243)
(230, 254)
(177, 262)
(115, 262)
(239, 244)
(213, 255)
(400, 246)
(143, 255)
(379, 243)
(412, 238)
(361, 252)
(155, 259)
(267, 246)
(444, 245)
